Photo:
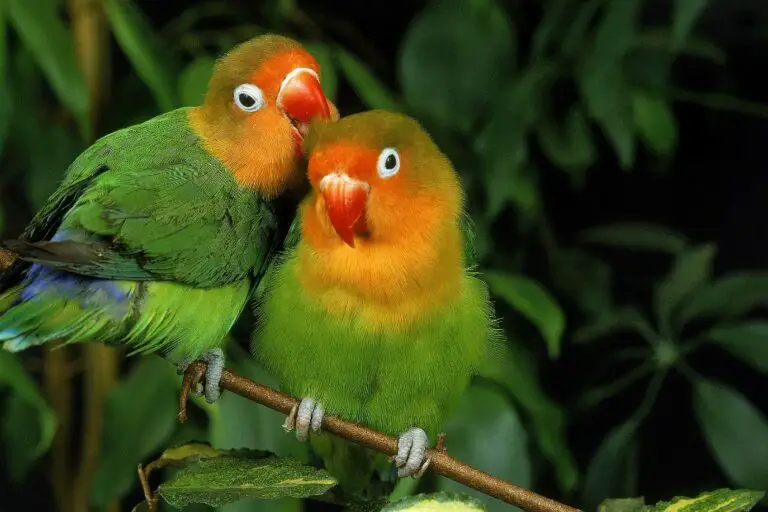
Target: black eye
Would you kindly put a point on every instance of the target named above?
(248, 97)
(246, 101)
(391, 162)
(388, 163)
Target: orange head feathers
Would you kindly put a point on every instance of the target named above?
(378, 177)
(260, 100)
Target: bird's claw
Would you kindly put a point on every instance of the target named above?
(307, 415)
(215, 360)
(411, 459)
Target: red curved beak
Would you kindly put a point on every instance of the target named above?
(301, 96)
(345, 201)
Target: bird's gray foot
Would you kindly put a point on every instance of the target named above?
(411, 457)
(308, 414)
(215, 360)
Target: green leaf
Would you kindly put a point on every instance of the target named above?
(637, 236)
(456, 502)
(587, 280)
(572, 41)
(602, 81)
(481, 423)
(747, 341)
(534, 302)
(655, 123)
(452, 75)
(47, 167)
(736, 432)
(193, 81)
(146, 51)
(721, 500)
(24, 389)
(692, 269)
(514, 368)
(140, 418)
(728, 297)
(244, 474)
(328, 74)
(614, 467)
(503, 146)
(6, 106)
(612, 322)
(659, 39)
(553, 22)
(50, 42)
(687, 12)
(622, 505)
(569, 147)
(368, 88)
(21, 432)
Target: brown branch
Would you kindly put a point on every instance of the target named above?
(440, 461)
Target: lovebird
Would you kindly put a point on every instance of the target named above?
(373, 311)
(159, 231)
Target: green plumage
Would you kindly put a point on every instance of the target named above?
(387, 380)
(149, 241)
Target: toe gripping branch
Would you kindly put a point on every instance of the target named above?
(438, 459)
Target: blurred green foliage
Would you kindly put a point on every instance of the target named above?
(590, 87)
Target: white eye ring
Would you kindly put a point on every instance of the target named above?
(248, 98)
(388, 163)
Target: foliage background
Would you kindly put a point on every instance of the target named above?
(638, 354)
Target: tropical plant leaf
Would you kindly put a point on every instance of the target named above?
(456, 502)
(637, 236)
(367, 86)
(242, 474)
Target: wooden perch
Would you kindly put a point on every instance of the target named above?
(440, 461)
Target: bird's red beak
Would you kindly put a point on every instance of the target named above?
(302, 98)
(345, 200)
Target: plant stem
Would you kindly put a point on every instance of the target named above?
(57, 386)
(439, 460)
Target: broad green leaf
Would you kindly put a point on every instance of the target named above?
(555, 19)
(622, 505)
(569, 147)
(623, 319)
(140, 418)
(534, 302)
(365, 84)
(13, 376)
(736, 432)
(637, 236)
(146, 51)
(141, 507)
(612, 473)
(587, 280)
(328, 74)
(721, 500)
(503, 146)
(692, 270)
(727, 297)
(193, 81)
(188, 453)
(6, 106)
(573, 39)
(455, 502)
(38, 24)
(602, 82)
(227, 479)
(747, 341)
(514, 368)
(481, 423)
(453, 75)
(21, 433)
(686, 14)
(655, 123)
(47, 167)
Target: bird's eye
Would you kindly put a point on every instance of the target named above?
(389, 163)
(248, 97)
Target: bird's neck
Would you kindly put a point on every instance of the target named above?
(259, 160)
(387, 283)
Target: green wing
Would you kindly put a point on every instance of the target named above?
(152, 205)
